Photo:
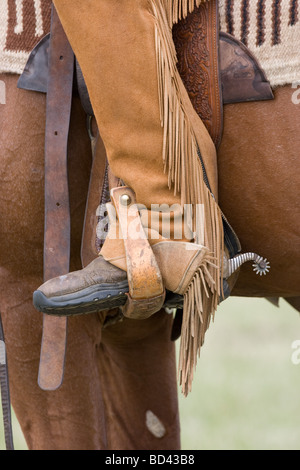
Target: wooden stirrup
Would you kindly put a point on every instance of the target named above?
(146, 290)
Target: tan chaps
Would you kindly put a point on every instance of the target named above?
(112, 378)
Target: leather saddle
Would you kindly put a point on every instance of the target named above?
(216, 68)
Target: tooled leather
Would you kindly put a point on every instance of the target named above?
(242, 76)
(197, 44)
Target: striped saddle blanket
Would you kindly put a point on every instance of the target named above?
(270, 28)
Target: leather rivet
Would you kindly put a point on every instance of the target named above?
(125, 200)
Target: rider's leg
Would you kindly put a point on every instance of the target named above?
(153, 138)
(149, 127)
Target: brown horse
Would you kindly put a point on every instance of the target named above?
(115, 376)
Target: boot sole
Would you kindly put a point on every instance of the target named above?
(90, 300)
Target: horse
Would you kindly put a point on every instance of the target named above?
(120, 390)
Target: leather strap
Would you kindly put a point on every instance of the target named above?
(96, 185)
(146, 291)
(5, 395)
(57, 211)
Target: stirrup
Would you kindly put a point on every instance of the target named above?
(146, 290)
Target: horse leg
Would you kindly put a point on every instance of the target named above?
(71, 417)
(294, 302)
(137, 366)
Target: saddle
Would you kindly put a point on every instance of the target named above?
(216, 69)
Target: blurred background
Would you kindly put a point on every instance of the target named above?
(246, 391)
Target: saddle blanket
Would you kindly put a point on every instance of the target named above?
(270, 28)
(22, 24)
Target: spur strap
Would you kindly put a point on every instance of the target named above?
(57, 210)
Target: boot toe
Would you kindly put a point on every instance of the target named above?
(90, 300)
(99, 286)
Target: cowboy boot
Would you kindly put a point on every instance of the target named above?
(104, 283)
(103, 286)
(156, 144)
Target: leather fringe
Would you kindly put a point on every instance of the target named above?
(185, 176)
(178, 9)
(199, 306)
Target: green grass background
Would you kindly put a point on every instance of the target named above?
(246, 393)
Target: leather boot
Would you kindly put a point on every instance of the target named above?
(103, 286)
(105, 283)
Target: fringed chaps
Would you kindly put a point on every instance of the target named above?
(175, 173)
